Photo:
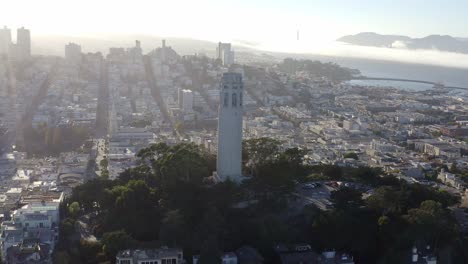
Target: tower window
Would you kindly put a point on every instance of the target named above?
(226, 99)
(234, 87)
(234, 100)
(240, 99)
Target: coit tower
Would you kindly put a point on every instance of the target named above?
(229, 160)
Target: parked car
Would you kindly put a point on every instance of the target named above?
(309, 186)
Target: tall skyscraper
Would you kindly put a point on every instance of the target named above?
(73, 52)
(23, 43)
(5, 40)
(22, 49)
(225, 53)
(229, 160)
(163, 51)
(219, 50)
(136, 52)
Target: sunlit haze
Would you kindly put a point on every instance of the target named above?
(233, 132)
(270, 25)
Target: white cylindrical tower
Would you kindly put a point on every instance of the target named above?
(229, 160)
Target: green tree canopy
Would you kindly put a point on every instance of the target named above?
(74, 209)
(346, 198)
(351, 155)
(113, 242)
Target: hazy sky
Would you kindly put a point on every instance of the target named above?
(263, 21)
(264, 24)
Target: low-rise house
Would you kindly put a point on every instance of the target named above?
(451, 179)
(226, 258)
(29, 251)
(301, 253)
(333, 257)
(423, 255)
(162, 255)
(248, 255)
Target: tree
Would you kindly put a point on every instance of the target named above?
(62, 257)
(113, 242)
(210, 253)
(385, 200)
(91, 194)
(134, 208)
(293, 159)
(172, 165)
(179, 127)
(431, 216)
(346, 198)
(258, 151)
(353, 230)
(351, 155)
(140, 172)
(74, 209)
(399, 199)
(453, 167)
(104, 163)
(173, 229)
(332, 171)
(67, 228)
(89, 251)
(105, 174)
(294, 156)
(367, 175)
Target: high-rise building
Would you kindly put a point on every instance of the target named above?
(23, 43)
(225, 53)
(73, 52)
(135, 53)
(229, 160)
(5, 40)
(163, 51)
(186, 100)
(219, 51)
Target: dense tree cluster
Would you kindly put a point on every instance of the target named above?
(169, 199)
(141, 123)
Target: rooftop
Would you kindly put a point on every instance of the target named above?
(144, 254)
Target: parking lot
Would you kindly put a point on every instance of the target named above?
(317, 193)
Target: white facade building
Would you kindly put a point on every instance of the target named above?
(5, 40)
(229, 160)
(23, 43)
(186, 100)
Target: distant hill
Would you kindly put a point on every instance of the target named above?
(439, 42)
